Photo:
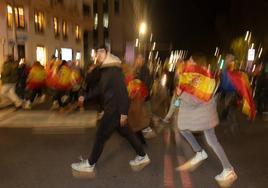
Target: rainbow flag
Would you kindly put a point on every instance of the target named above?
(198, 81)
(240, 82)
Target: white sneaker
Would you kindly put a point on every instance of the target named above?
(226, 178)
(194, 162)
(41, 99)
(83, 166)
(27, 105)
(139, 162)
(55, 105)
(165, 120)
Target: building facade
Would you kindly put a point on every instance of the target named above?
(38, 29)
(116, 23)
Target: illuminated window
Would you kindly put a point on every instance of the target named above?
(19, 16)
(64, 29)
(9, 16)
(41, 55)
(56, 26)
(39, 21)
(77, 33)
(106, 20)
(78, 56)
(96, 21)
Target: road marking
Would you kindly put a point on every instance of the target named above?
(168, 166)
(184, 175)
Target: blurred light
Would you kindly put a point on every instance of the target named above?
(78, 56)
(106, 20)
(142, 28)
(219, 59)
(156, 55)
(222, 64)
(57, 53)
(246, 37)
(254, 67)
(251, 54)
(151, 37)
(260, 52)
(154, 46)
(164, 80)
(93, 53)
(216, 52)
(252, 46)
(150, 55)
(96, 21)
(137, 43)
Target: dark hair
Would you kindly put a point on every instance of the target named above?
(102, 47)
(199, 58)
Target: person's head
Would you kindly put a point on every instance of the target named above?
(10, 58)
(198, 58)
(230, 61)
(139, 61)
(101, 54)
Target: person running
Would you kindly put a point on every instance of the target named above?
(114, 94)
(196, 115)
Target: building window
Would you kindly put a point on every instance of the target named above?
(67, 54)
(56, 26)
(64, 29)
(39, 22)
(77, 33)
(41, 54)
(105, 20)
(96, 21)
(116, 7)
(9, 16)
(86, 10)
(19, 16)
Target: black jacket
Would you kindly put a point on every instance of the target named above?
(112, 89)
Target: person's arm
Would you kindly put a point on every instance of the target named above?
(123, 101)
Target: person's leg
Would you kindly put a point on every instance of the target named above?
(13, 96)
(141, 137)
(171, 109)
(104, 131)
(217, 148)
(132, 139)
(191, 140)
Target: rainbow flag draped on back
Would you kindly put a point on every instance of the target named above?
(197, 80)
(239, 81)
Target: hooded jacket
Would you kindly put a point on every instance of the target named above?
(111, 87)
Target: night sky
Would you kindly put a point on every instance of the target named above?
(201, 25)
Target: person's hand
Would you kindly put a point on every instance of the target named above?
(178, 91)
(123, 120)
(81, 99)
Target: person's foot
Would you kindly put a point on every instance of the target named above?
(165, 120)
(139, 162)
(194, 162)
(18, 104)
(55, 105)
(226, 178)
(83, 166)
(27, 105)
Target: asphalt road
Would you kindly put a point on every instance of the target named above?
(30, 159)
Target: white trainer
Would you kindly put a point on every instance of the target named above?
(194, 162)
(83, 166)
(226, 178)
(27, 105)
(139, 162)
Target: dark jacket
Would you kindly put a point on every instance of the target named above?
(9, 73)
(112, 89)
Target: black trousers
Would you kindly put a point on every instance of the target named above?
(110, 123)
(35, 93)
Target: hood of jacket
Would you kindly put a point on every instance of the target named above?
(111, 61)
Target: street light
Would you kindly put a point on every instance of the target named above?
(142, 29)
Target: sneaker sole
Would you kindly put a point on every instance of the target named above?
(83, 175)
(189, 167)
(140, 167)
(227, 183)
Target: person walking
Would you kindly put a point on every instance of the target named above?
(115, 102)
(9, 79)
(197, 115)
